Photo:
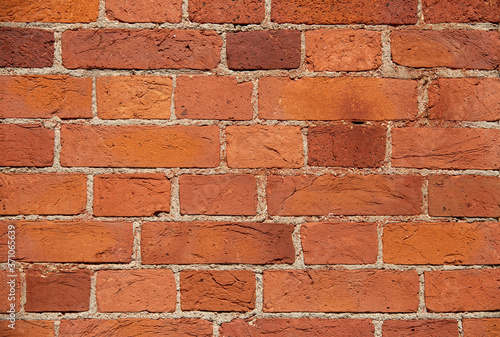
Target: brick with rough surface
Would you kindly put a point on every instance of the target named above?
(420, 328)
(67, 11)
(26, 47)
(157, 11)
(481, 327)
(33, 328)
(226, 11)
(11, 289)
(436, 11)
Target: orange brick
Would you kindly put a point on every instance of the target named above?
(461, 11)
(343, 98)
(131, 194)
(226, 11)
(157, 11)
(27, 328)
(481, 327)
(340, 291)
(420, 328)
(264, 146)
(70, 11)
(10, 290)
(124, 97)
(26, 48)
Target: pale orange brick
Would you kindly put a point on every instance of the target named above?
(157, 11)
(481, 327)
(27, 328)
(227, 11)
(70, 11)
(420, 328)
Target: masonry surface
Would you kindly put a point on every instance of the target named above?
(250, 167)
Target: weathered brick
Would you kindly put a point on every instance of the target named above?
(436, 11)
(124, 97)
(355, 98)
(481, 327)
(27, 328)
(442, 243)
(26, 145)
(151, 290)
(218, 194)
(43, 193)
(446, 148)
(216, 242)
(264, 146)
(57, 291)
(343, 50)
(465, 99)
(420, 328)
(10, 292)
(226, 11)
(69, 11)
(217, 290)
(349, 195)
(254, 50)
(140, 49)
(140, 146)
(213, 97)
(157, 11)
(339, 243)
(465, 49)
(462, 290)
(26, 48)
(131, 194)
(340, 291)
(346, 145)
(472, 196)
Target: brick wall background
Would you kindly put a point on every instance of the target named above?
(251, 167)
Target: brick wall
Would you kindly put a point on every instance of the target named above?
(250, 168)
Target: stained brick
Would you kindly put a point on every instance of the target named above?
(26, 48)
(69, 11)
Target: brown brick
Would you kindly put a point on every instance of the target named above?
(27, 328)
(57, 291)
(218, 194)
(226, 11)
(254, 50)
(69, 11)
(217, 290)
(340, 291)
(10, 289)
(131, 194)
(472, 196)
(420, 328)
(26, 145)
(344, 98)
(466, 49)
(349, 195)
(481, 327)
(462, 290)
(42, 193)
(343, 50)
(157, 11)
(264, 146)
(339, 243)
(151, 290)
(140, 146)
(446, 148)
(124, 97)
(26, 48)
(465, 99)
(216, 242)
(346, 146)
(436, 11)
(45, 96)
(141, 49)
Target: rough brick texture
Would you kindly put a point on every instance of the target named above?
(436, 11)
(420, 328)
(70, 11)
(217, 11)
(481, 327)
(28, 328)
(26, 47)
(157, 11)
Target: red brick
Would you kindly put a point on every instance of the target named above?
(57, 291)
(339, 243)
(72, 241)
(124, 97)
(343, 98)
(140, 146)
(151, 290)
(217, 290)
(466, 49)
(446, 148)
(226, 11)
(130, 327)
(420, 328)
(442, 243)
(26, 48)
(141, 49)
(304, 327)
(465, 99)
(343, 50)
(157, 11)
(481, 327)
(344, 12)
(10, 292)
(216, 242)
(27, 328)
(43, 193)
(218, 194)
(213, 97)
(340, 291)
(70, 11)
(45, 96)
(131, 194)
(462, 290)
(26, 145)
(472, 196)
(264, 146)
(346, 145)
(436, 11)
(254, 50)
(349, 195)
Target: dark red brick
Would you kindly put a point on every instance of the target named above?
(26, 48)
